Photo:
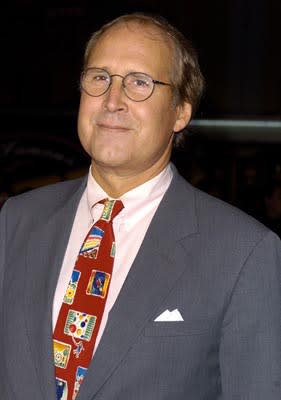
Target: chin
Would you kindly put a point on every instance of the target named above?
(109, 162)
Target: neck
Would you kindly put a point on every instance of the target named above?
(117, 184)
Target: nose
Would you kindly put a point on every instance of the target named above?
(115, 98)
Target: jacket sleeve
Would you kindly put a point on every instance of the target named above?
(2, 247)
(2, 265)
(250, 346)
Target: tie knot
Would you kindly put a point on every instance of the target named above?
(111, 209)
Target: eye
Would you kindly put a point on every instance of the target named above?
(141, 82)
(99, 77)
(96, 76)
(138, 81)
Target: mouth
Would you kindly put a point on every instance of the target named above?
(113, 127)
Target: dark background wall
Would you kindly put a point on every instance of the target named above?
(238, 43)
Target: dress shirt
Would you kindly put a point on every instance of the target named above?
(129, 226)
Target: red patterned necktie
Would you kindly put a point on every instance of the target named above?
(83, 304)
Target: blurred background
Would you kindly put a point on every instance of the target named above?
(233, 149)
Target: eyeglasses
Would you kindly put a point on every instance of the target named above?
(136, 85)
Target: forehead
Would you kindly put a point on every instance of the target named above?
(133, 43)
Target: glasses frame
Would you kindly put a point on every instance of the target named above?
(154, 81)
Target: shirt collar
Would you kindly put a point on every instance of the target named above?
(135, 198)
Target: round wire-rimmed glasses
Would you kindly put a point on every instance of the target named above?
(137, 86)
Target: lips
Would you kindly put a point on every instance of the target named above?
(112, 127)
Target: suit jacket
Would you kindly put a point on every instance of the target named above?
(217, 266)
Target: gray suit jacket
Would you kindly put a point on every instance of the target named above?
(217, 266)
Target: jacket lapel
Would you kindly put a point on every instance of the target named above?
(44, 256)
(155, 271)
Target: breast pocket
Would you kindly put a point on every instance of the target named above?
(177, 328)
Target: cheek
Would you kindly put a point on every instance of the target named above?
(88, 108)
(162, 118)
(84, 128)
(85, 117)
(85, 111)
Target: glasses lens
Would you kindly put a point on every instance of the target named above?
(138, 86)
(95, 81)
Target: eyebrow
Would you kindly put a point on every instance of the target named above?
(125, 73)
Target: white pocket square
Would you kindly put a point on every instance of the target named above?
(169, 316)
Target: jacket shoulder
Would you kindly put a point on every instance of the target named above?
(47, 198)
(218, 219)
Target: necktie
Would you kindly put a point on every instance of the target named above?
(83, 304)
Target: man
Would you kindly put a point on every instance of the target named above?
(193, 307)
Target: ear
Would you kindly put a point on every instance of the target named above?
(184, 112)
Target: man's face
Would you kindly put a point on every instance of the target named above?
(124, 137)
